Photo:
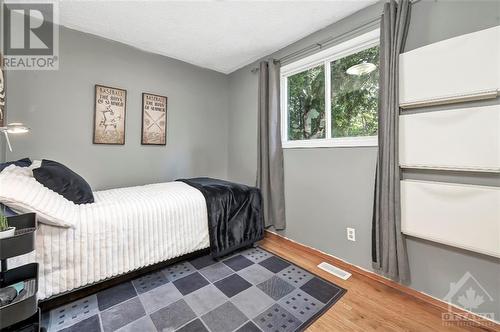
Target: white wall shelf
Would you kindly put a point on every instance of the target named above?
(463, 216)
(466, 139)
(464, 68)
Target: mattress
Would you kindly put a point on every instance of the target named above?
(124, 230)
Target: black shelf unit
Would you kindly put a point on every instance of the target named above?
(22, 314)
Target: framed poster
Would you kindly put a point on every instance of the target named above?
(154, 119)
(2, 94)
(109, 115)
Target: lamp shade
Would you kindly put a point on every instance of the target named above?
(361, 69)
(17, 128)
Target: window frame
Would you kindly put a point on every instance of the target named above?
(325, 58)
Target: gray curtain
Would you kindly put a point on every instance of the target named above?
(388, 244)
(270, 174)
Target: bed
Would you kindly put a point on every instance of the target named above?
(130, 228)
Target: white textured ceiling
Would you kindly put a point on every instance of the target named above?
(219, 35)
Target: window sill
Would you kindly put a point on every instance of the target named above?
(344, 142)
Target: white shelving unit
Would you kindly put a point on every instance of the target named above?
(463, 216)
(466, 139)
(458, 69)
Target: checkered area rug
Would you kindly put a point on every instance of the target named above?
(252, 290)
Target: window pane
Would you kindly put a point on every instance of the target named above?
(355, 94)
(306, 104)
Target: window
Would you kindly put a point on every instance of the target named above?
(306, 104)
(331, 98)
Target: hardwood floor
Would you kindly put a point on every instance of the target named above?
(369, 304)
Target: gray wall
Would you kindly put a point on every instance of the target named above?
(329, 189)
(58, 106)
(212, 131)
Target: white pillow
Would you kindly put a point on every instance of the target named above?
(18, 170)
(34, 164)
(20, 191)
(26, 171)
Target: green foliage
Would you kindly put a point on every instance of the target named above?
(306, 104)
(4, 224)
(354, 99)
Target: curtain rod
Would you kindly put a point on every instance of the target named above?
(317, 46)
(325, 42)
(331, 40)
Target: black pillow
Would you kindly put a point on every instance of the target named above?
(25, 162)
(64, 181)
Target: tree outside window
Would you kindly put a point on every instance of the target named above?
(353, 82)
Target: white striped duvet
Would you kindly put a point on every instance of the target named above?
(125, 229)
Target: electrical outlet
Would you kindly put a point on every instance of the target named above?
(351, 234)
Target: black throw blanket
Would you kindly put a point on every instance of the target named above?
(235, 217)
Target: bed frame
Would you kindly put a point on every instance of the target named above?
(78, 293)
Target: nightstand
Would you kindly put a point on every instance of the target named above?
(22, 314)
